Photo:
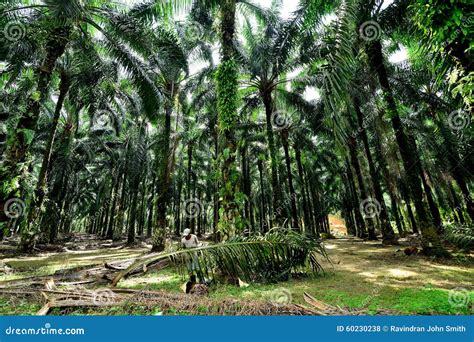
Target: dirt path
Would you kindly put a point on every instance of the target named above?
(81, 251)
(385, 266)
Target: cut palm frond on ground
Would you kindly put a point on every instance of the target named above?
(168, 302)
(199, 305)
(271, 257)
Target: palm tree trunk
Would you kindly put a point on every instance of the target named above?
(411, 216)
(193, 196)
(188, 181)
(263, 216)
(360, 224)
(362, 233)
(142, 212)
(431, 242)
(245, 181)
(306, 211)
(132, 214)
(159, 234)
(457, 203)
(199, 217)
(230, 220)
(388, 235)
(177, 206)
(15, 154)
(40, 190)
(107, 209)
(457, 174)
(452, 155)
(431, 203)
(311, 204)
(151, 207)
(110, 228)
(294, 210)
(215, 199)
(121, 209)
(347, 211)
(268, 103)
(248, 193)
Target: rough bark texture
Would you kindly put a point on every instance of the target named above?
(431, 242)
(268, 103)
(227, 89)
(294, 211)
(388, 235)
(18, 145)
(163, 184)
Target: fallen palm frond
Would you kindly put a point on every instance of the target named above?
(325, 309)
(80, 275)
(271, 257)
(79, 298)
(166, 301)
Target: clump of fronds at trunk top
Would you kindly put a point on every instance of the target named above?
(271, 257)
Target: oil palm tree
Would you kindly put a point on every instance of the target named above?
(63, 22)
(227, 101)
(268, 55)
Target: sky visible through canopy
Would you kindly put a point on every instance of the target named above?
(287, 8)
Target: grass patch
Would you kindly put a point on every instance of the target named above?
(332, 288)
(17, 306)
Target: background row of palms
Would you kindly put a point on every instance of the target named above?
(120, 120)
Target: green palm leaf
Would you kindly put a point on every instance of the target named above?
(271, 257)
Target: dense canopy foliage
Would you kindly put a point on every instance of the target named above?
(142, 118)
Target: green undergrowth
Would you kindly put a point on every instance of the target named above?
(332, 288)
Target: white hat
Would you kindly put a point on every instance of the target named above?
(186, 232)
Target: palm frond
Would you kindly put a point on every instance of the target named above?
(271, 257)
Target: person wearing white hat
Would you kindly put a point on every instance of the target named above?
(189, 240)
